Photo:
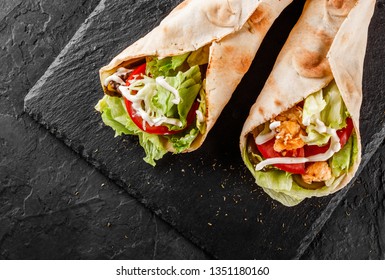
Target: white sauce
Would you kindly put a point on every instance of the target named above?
(115, 78)
(123, 71)
(335, 146)
(274, 125)
(263, 138)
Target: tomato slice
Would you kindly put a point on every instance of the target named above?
(267, 151)
(138, 71)
(143, 125)
(343, 134)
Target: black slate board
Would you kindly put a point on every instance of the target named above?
(208, 195)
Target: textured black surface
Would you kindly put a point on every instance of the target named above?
(208, 195)
(53, 205)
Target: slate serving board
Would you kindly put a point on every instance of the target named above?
(208, 195)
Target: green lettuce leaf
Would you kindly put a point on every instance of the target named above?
(161, 103)
(344, 158)
(354, 150)
(335, 113)
(202, 107)
(188, 84)
(184, 140)
(312, 107)
(115, 116)
(168, 66)
(152, 147)
(327, 106)
(283, 198)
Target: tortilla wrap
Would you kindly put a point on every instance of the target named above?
(234, 29)
(328, 42)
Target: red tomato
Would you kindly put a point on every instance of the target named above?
(138, 71)
(343, 134)
(267, 151)
(137, 119)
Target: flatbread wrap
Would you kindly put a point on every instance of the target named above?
(169, 87)
(302, 138)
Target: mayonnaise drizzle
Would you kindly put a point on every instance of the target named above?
(123, 71)
(335, 146)
(274, 125)
(263, 138)
(116, 77)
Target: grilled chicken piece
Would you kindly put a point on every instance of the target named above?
(317, 172)
(293, 114)
(290, 130)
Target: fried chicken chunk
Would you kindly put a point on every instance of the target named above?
(290, 130)
(317, 172)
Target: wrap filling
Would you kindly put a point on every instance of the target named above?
(310, 146)
(162, 100)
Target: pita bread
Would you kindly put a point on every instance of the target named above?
(234, 30)
(328, 42)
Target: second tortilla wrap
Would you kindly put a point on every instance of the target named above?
(233, 31)
(328, 43)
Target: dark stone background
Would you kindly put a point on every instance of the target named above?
(53, 205)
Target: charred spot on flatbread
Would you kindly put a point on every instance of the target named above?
(223, 15)
(278, 103)
(309, 59)
(260, 18)
(311, 64)
(340, 8)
